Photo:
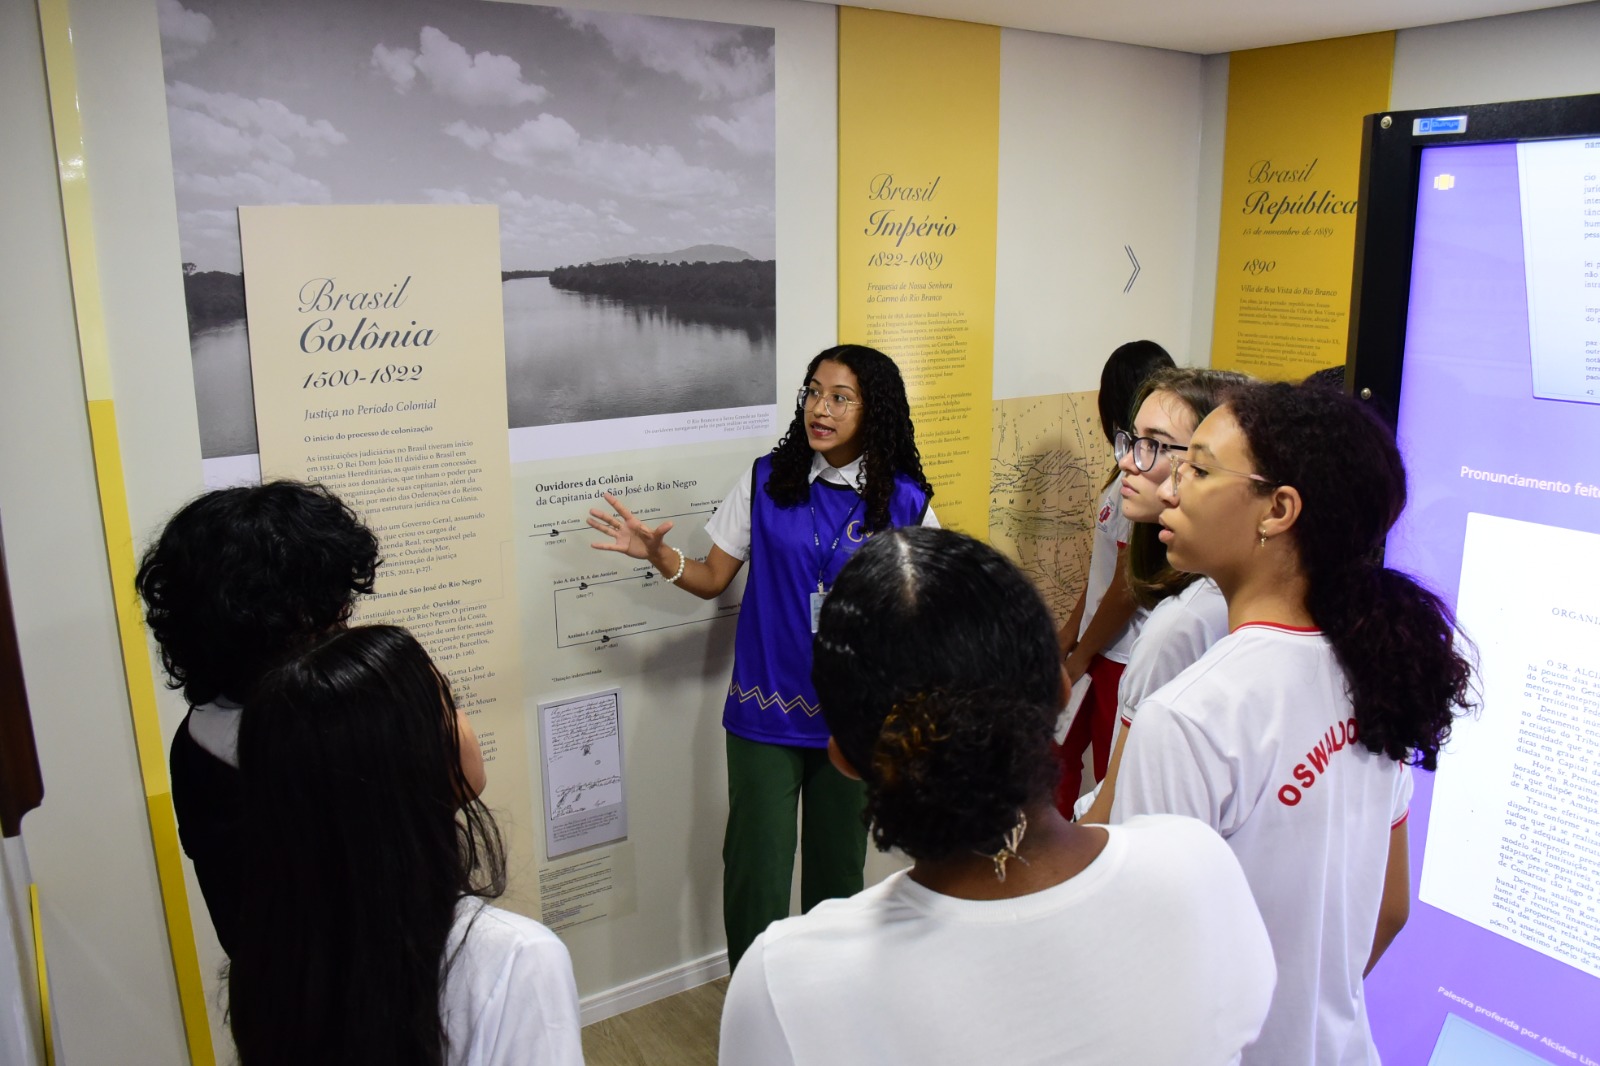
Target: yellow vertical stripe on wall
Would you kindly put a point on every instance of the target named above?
(919, 147)
(39, 968)
(1291, 171)
(120, 552)
(77, 210)
(62, 77)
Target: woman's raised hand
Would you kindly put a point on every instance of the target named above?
(628, 535)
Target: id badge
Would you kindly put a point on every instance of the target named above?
(816, 608)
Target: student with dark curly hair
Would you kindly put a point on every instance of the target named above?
(1292, 735)
(364, 934)
(847, 468)
(1098, 636)
(1015, 936)
(1187, 613)
(238, 580)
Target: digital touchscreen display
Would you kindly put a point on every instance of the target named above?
(1499, 421)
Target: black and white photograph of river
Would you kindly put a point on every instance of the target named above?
(631, 158)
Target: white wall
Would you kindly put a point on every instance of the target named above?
(1099, 148)
(89, 844)
(21, 1015)
(1513, 57)
(1208, 227)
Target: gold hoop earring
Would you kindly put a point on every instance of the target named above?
(1010, 845)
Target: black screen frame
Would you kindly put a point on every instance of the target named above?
(1386, 219)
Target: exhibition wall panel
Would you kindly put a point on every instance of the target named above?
(1511, 57)
(668, 935)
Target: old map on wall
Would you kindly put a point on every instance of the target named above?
(1049, 461)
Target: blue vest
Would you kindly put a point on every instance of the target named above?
(771, 699)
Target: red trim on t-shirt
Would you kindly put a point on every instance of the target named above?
(1275, 625)
(1126, 721)
(1121, 544)
(1402, 821)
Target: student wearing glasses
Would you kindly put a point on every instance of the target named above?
(1015, 936)
(1292, 736)
(847, 467)
(1187, 613)
(1098, 635)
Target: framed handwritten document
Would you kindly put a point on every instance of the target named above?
(585, 802)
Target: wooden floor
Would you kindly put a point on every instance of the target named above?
(680, 1030)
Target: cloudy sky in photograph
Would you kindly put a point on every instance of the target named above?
(597, 134)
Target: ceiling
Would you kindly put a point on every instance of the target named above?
(1207, 26)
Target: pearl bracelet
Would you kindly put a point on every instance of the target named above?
(673, 580)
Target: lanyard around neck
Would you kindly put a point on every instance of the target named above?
(824, 561)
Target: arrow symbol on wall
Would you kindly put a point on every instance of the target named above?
(1135, 275)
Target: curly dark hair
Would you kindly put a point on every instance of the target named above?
(1395, 640)
(1329, 377)
(364, 833)
(241, 578)
(891, 442)
(939, 675)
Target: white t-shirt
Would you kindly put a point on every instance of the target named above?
(1258, 740)
(1111, 532)
(1154, 954)
(509, 998)
(729, 528)
(1175, 633)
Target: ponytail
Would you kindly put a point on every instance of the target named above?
(1402, 659)
(1404, 667)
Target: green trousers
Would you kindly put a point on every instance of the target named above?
(767, 784)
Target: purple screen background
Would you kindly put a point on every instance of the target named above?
(1467, 400)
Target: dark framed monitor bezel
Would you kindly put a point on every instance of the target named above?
(1386, 219)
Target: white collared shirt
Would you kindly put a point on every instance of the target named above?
(729, 528)
(215, 727)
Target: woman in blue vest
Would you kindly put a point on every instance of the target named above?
(847, 467)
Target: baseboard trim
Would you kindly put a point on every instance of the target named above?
(648, 989)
